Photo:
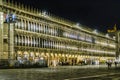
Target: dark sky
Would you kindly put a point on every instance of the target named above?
(97, 14)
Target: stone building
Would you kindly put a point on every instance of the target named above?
(39, 35)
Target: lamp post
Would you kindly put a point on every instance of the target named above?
(10, 19)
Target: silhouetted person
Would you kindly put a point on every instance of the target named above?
(109, 63)
(115, 64)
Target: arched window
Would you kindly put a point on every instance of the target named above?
(37, 42)
(16, 40)
(22, 24)
(28, 41)
(20, 40)
(44, 27)
(26, 25)
(32, 26)
(25, 41)
(32, 42)
(29, 26)
(40, 28)
(51, 44)
(24, 37)
(42, 43)
(37, 25)
(36, 28)
(18, 25)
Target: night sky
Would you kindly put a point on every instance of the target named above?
(96, 14)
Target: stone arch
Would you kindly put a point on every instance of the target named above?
(27, 25)
(19, 55)
(31, 56)
(26, 55)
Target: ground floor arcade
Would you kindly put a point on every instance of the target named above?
(55, 59)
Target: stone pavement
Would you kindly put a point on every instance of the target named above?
(88, 66)
(91, 72)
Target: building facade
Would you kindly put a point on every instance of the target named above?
(38, 35)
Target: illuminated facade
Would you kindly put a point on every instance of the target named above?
(39, 35)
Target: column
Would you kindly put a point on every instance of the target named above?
(1, 33)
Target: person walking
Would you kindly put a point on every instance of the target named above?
(115, 62)
(109, 63)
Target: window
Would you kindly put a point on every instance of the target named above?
(5, 41)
